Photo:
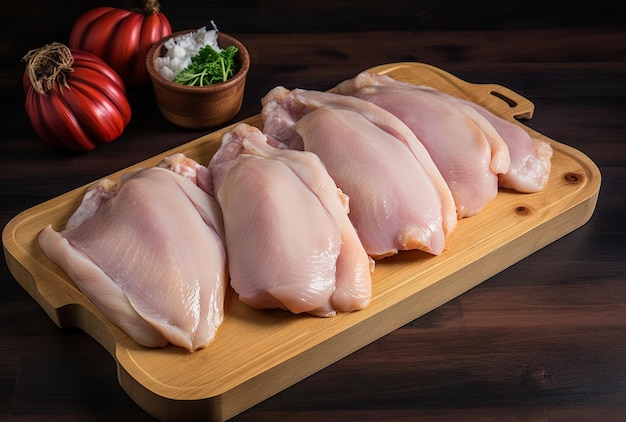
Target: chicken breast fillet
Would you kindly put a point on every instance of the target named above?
(521, 162)
(468, 156)
(290, 242)
(398, 197)
(149, 253)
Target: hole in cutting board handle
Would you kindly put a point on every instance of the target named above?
(511, 102)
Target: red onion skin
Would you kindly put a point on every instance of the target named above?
(91, 110)
(121, 38)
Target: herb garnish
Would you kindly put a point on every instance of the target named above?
(209, 67)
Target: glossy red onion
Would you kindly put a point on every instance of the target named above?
(122, 37)
(73, 98)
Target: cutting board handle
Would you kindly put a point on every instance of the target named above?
(509, 103)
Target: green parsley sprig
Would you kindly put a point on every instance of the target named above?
(209, 67)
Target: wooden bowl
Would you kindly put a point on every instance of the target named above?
(195, 107)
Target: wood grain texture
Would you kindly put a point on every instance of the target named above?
(542, 340)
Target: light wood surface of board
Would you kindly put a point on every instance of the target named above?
(258, 353)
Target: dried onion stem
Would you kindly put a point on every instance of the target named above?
(145, 7)
(48, 65)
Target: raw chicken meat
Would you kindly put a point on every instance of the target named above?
(149, 253)
(467, 151)
(398, 198)
(530, 157)
(528, 165)
(290, 242)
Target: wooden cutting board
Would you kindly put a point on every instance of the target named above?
(258, 353)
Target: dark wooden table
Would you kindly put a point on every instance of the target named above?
(543, 340)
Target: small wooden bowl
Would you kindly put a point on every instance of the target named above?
(195, 107)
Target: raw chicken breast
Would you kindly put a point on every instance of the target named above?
(530, 157)
(528, 164)
(398, 198)
(149, 253)
(459, 146)
(290, 242)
